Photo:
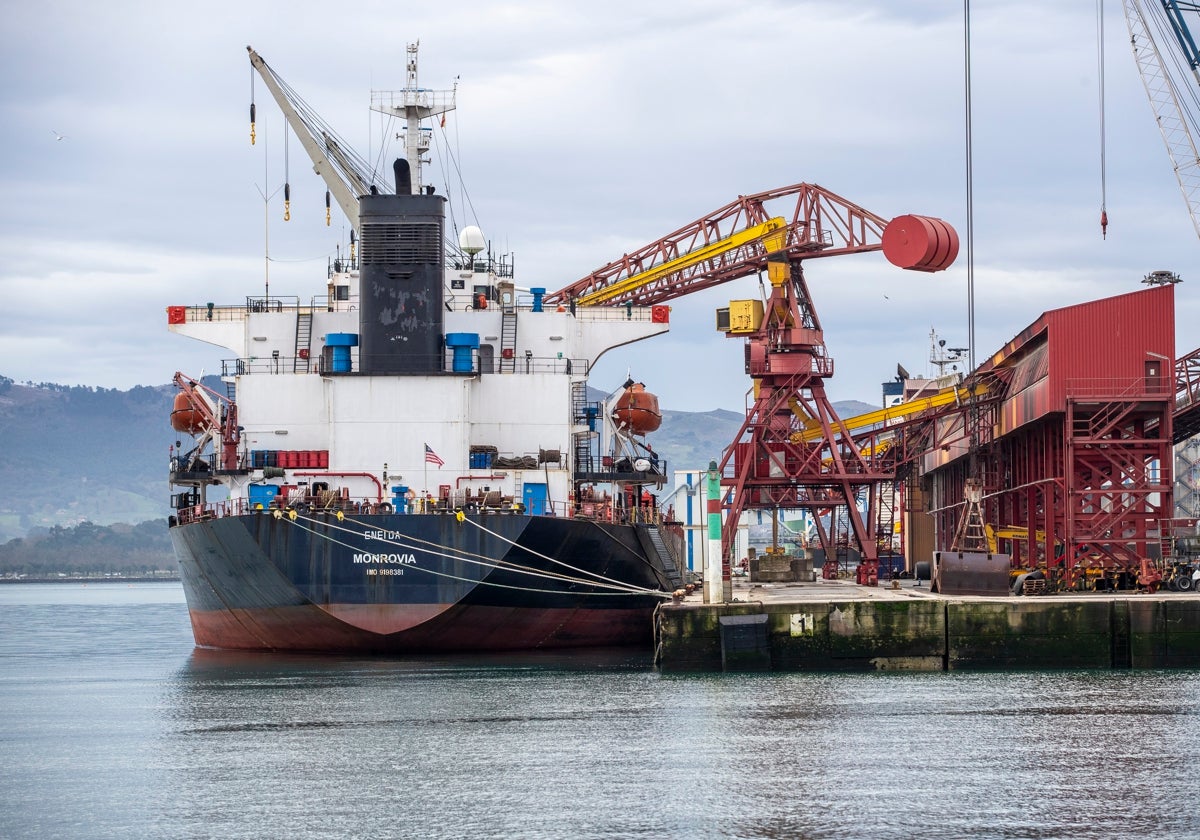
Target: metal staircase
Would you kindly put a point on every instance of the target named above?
(508, 341)
(579, 417)
(665, 556)
(303, 341)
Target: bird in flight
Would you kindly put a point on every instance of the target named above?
(58, 136)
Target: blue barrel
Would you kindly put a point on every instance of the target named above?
(538, 293)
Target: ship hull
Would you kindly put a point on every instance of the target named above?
(393, 583)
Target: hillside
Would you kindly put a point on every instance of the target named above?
(73, 454)
(76, 454)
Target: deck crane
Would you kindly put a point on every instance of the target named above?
(346, 174)
(770, 465)
(1164, 64)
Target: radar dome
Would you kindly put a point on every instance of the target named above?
(471, 240)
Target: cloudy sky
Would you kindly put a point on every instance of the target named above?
(580, 135)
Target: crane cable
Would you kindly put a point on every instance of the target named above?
(970, 187)
(1100, 75)
(251, 104)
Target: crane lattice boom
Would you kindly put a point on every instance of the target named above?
(819, 224)
(1170, 86)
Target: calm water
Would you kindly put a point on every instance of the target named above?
(112, 725)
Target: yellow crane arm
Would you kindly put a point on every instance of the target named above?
(811, 427)
(706, 252)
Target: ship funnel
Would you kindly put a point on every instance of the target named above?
(403, 177)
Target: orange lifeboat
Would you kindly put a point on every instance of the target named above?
(185, 416)
(637, 410)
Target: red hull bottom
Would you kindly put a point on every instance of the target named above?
(458, 629)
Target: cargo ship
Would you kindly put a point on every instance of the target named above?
(408, 458)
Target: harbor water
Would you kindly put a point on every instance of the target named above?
(113, 726)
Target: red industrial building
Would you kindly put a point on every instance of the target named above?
(1073, 442)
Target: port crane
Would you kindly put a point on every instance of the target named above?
(792, 451)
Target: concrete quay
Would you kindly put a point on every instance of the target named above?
(840, 626)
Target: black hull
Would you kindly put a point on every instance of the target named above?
(392, 583)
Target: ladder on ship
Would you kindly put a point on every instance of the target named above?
(508, 340)
(303, 341)
(665, 556)
(579, 417)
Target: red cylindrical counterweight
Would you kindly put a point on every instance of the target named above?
(920, 243)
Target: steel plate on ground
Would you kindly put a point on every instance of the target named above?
(970, 573)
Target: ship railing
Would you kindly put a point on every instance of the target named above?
(279, 364)
(264, 364)
(307, 504)
(327, 303)
(271, 304)
(237, 312)
(606, 510)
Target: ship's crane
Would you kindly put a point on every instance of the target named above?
(345, 173)
(771, 465)
(1169, 65)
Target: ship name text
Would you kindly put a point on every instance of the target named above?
(383, 535)
(405, 559)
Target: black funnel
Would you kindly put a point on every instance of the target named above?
(403, 177)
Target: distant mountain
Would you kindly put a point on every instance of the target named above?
(690, 439)
(75, 454)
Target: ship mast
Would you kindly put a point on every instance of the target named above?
(413, 104)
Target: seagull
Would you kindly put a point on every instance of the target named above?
(58, 136)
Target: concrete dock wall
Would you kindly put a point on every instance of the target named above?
(931, 635)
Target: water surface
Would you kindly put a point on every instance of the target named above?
(113, 726)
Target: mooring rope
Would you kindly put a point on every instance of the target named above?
(598, 576)
(619, 587)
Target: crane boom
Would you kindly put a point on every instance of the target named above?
(818, 224)
(673, 267)
(347, 179)
(1175, 121)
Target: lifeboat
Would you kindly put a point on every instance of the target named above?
(637, 410)
(186, 417)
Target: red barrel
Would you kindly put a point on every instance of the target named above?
(323, 459)
(920, 243)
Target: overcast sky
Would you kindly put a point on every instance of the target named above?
(580, 135)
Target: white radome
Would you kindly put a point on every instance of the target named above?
(471, 240)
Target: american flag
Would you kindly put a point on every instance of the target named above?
(431, 457)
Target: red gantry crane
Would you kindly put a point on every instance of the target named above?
(773, 463)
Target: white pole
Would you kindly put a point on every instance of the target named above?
(714, 592)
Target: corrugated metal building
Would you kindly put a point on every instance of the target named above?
(1076, 454)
